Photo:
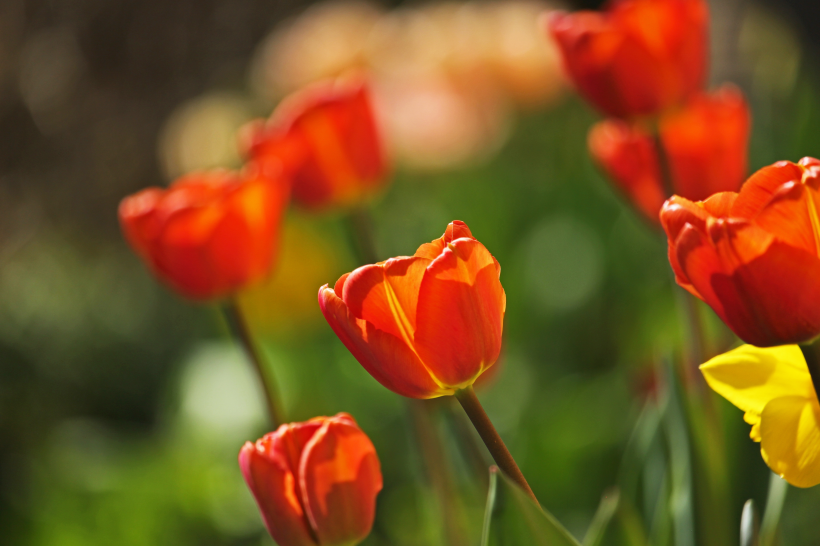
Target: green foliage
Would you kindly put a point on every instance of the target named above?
(513, 519)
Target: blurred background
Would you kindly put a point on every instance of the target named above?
(123, 407)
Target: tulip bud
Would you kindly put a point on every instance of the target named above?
(754, 256)
(315, 482)
(326, 140)
(637, 58)
(425, 325)
(210, 233)
(704, 144)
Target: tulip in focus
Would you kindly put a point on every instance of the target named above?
(775, 389)
(425, 325)
(754, 256)
(705, 146)
(326, 140)
(315, 482)
(209, 234)
(639, 57)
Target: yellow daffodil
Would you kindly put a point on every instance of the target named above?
(773, 386)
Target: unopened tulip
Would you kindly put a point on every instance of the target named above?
(326, 141)
(639, 57)
(774, 387)
(754, 256)
(210, 233)
(315, 482)
(704, 144)
(425, 325)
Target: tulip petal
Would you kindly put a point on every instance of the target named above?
(790, 439)
(750, 377)
(339, 477)
(274, 486)
(385, 356)
(386, 295)
(758, 190)
(791, 216)
(460, 313)
(785, 282)
(455, 230)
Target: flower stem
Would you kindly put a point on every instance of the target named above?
(663, 163)
(239, 328)
(431, 448)
(361, 226)
(502, 456)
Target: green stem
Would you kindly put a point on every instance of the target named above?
(435, 465)
(774, 507)
(502, 456)
(468, 443)
(361, 226)
(663, 163)
(239, 328)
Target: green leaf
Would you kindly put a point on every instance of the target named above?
(748, 525)
(513, 519)
(603, 516)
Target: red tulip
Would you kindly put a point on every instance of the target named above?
(627, 154)
(425, 325)
(637, 58)
(704, 143)
(315, 482)
(210, 233)
(326, 140)
(754, 256)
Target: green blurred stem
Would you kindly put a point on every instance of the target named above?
(663, 164)
(436, 467)
(502, 456)
(774, 507)
(467, 441)
(361, 227)
(239, 328)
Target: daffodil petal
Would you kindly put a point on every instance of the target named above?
(754, 420)
(790, 439)
(750, 377)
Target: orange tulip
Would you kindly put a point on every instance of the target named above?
(315, 482)
(637, 58)
(326, 140)
(754, 256)
(705, 145)
(210, 233)
(425, 325)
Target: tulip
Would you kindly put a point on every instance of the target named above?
(754, 256)
(326, 140)
(704, 147)
(639, 57)
(426, 325)
(774, 387)
(210, 233)
(315, 482)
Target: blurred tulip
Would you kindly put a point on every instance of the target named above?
(705, 145)
(754, 256)
(639, 57)
(425, 325)
(209, 234)
(315, 482)
(774, 388)
(627, 155)
(326, 140)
